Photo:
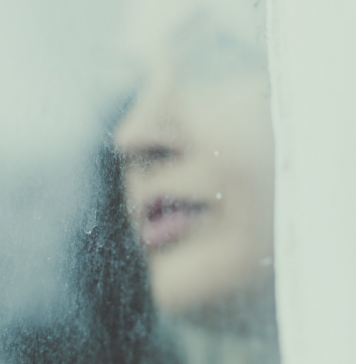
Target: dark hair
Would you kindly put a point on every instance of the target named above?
(108, 316)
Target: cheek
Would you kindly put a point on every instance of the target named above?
(233, 119)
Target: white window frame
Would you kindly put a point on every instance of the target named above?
(312, 55)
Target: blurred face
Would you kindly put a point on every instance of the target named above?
(198, 147)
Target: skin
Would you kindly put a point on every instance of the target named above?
(211, 117)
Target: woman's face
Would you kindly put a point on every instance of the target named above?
(198, 147)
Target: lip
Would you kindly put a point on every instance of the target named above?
(165, 219)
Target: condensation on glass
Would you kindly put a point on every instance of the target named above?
(137, 216)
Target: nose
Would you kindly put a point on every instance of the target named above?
(152, 127)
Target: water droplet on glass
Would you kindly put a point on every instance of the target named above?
(91, 221)
(219, 196)
(139, 329)
(216, 153)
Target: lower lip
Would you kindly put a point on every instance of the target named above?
(166, 228)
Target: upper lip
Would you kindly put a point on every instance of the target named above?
(159, 207)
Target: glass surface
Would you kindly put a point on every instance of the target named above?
(150, 238)
(198, 153)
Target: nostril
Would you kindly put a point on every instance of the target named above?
(146, 157)
(159, 153)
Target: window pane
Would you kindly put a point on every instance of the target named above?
(138, 219)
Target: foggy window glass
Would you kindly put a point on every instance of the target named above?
(137, 191)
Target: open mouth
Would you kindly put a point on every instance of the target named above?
(165, 219)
